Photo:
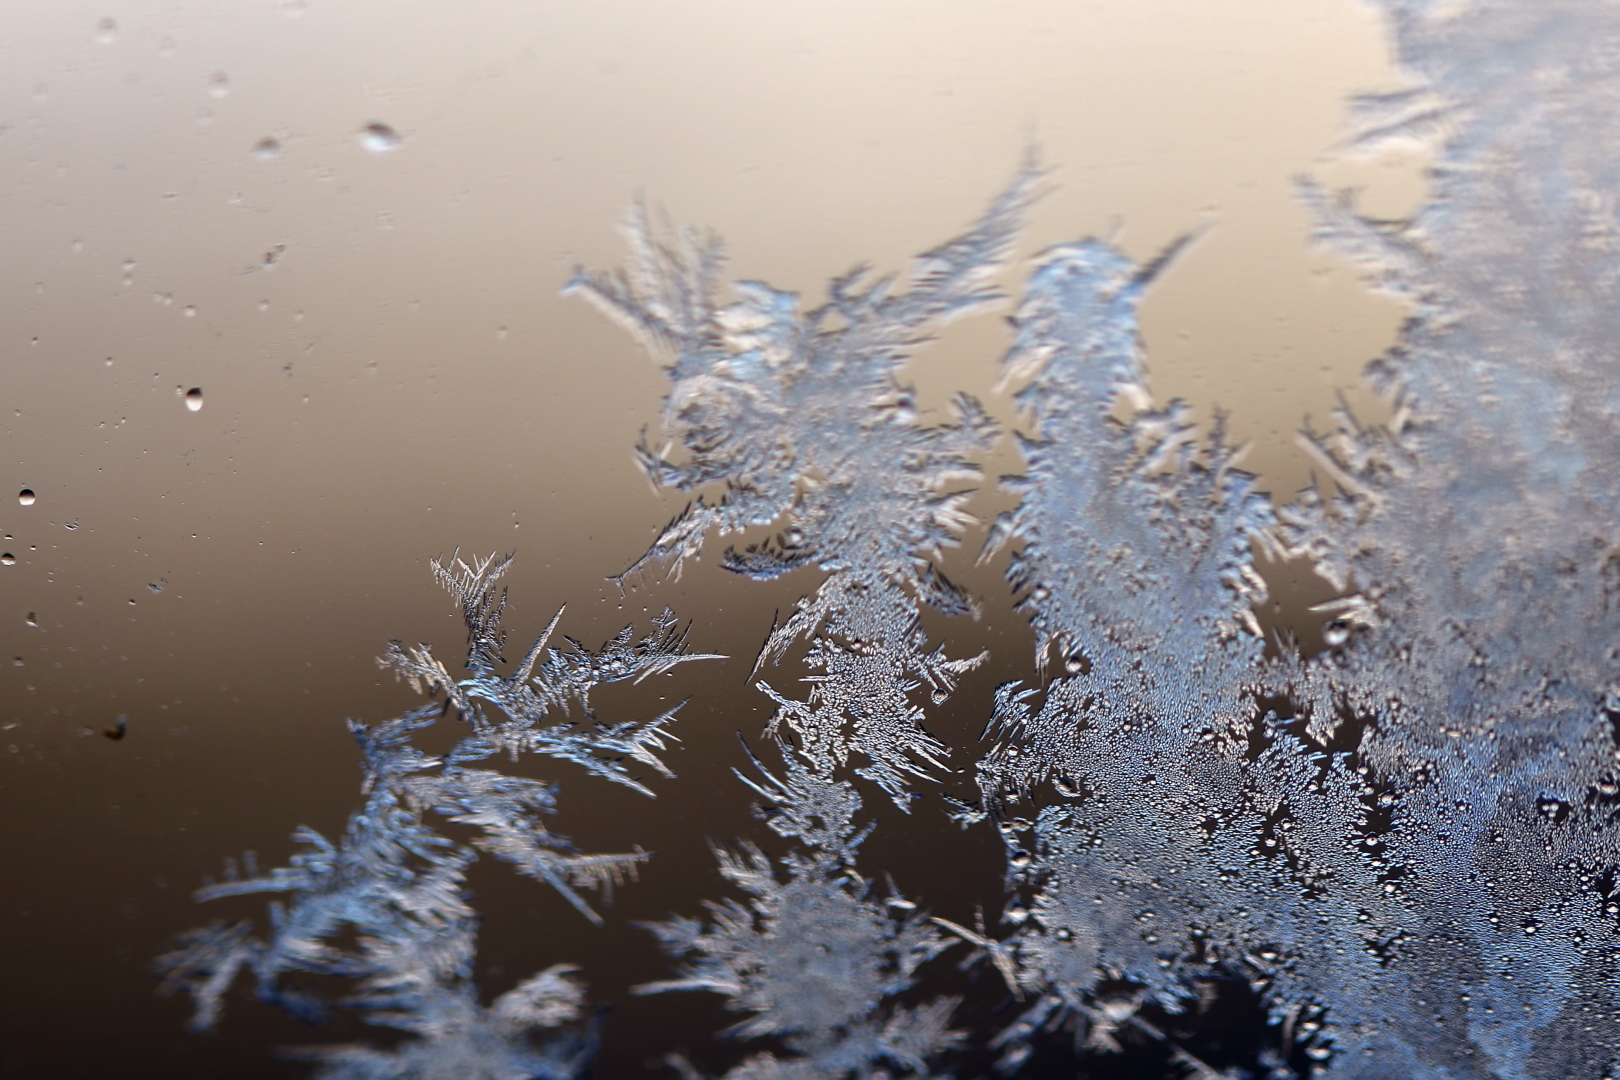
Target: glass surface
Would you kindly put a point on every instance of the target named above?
(282, 303)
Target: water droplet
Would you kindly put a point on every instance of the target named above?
(32, 619)
(76, 247)
(17, 661)
(378, 138)
(129, 267)
(26, 496)
(191, 311)
(219, 84)
(8, 559)
(264, 305)
(194, 399)
(107, 31)
(1336, 633)
(500, 333)
(266, 149)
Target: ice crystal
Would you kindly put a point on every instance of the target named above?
(398, 886)
(1411, 837)
(1475, 537)
(815, 959)
(802, 419)
(1405, 846)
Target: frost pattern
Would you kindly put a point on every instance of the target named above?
(1476, 537)
(802, 419)
(1406, 844)
(398, 886)
(815, 958)
(1137, 571)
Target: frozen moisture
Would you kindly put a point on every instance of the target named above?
(400, 886)
(1410, 838)
(800, 416)
(1404, 847)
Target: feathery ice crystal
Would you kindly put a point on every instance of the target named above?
(1405, 847)
(399, 886)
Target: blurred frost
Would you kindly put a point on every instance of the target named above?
(1404, 847)
(396, 887)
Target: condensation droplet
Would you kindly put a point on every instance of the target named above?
(264, 305)
(17, 661)
(32, 619)
(194, 398)
(8, 559)
(1336, 633)
(107, 31)
(26, 496)
(191, 311)
(267, 149)
(500, 333)
(219, 84)
(378, 138)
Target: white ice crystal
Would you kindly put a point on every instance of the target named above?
(398, 886)
(1404, 848)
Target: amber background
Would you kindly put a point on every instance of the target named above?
(405, 379)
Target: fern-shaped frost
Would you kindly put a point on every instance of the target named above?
(800, 416)
(398, 886)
